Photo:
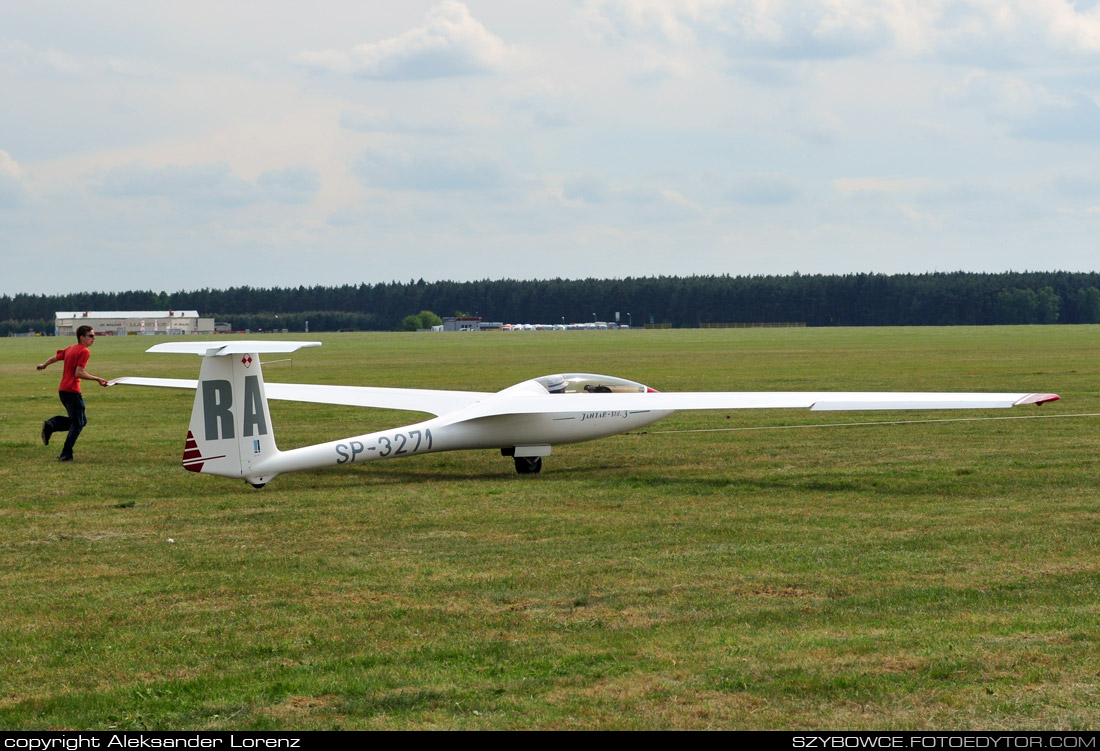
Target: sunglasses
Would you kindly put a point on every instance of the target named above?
(90, 336)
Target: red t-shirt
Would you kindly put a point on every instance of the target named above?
(76, 354)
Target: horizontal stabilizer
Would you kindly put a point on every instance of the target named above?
(238, 347)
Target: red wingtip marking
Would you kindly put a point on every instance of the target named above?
(651, 390)
(1038, 399)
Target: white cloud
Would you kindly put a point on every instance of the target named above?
(1014, 31)
(1005, 95)
(545, 102)
(921, 218)
(1076, 118)
(989, 30)
(617, 19)
(131, 68)
(298, 184)
(383, 121)
(764, 190)
(1030, 110)
(1078, 186)
(349, 216)
(13, 182)
(9, 168)
(16, 54)
(213, 185)
(660, 204)
(748, 28)
(429, 170)
(856, 185)
(61, 62)
(644, 203)
(656, 65)
(450, 43)
(586, 188)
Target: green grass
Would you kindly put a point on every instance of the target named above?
(936, 575)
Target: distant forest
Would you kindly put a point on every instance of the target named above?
(939, 299)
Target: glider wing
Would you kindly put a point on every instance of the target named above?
(730, 400)
(167, 383)
(413, 400)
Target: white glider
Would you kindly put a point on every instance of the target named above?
(231, 435)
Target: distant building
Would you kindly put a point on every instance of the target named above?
(121, 323)
(465, 323)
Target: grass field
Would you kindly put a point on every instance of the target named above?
(935, 575)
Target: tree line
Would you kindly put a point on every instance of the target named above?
(934, 299)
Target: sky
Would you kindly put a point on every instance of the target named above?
(180, 145)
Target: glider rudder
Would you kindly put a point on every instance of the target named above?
(230, 433)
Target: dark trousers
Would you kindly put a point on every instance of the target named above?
(74, 422)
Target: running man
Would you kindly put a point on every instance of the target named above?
(75, 357)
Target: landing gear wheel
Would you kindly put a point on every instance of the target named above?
(257, 485)
(528, 465)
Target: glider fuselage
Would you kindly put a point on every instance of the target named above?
(519, 434)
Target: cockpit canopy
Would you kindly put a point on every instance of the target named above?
(590, 383)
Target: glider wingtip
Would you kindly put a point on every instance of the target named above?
(1037, 399)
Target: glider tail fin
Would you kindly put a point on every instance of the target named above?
(230, 433)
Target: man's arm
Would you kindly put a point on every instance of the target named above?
(48, 363)
(80, 372)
